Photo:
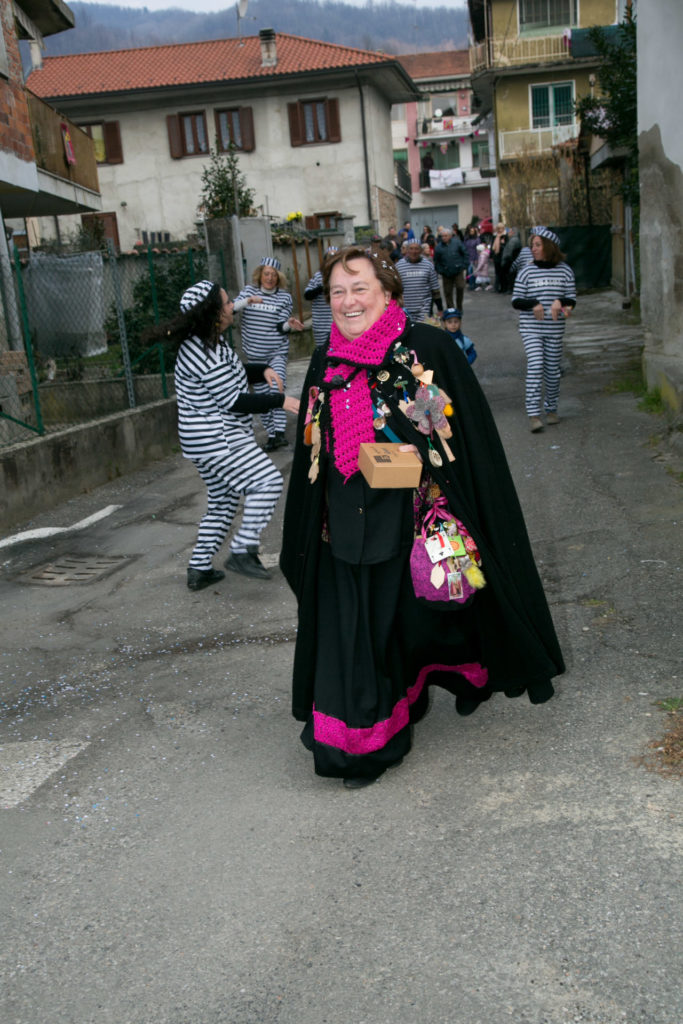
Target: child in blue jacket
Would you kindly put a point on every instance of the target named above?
(452, 319)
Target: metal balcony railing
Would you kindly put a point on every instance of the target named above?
(402, 180)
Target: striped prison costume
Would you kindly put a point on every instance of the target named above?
(522, 258)
(216, 433)
(542, 339)
(320, 308)
(419, 281)
(265, 339)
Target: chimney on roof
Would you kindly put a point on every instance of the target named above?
(268, 48)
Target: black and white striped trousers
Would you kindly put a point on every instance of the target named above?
(275, 420)
(543, 347)
(243, 470)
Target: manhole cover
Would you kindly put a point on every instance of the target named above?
(72, 569)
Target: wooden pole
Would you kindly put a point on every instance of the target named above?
(297, 282)
(308, 258)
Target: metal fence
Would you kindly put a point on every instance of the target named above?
(81, 317)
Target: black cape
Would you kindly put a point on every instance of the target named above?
(516, 633)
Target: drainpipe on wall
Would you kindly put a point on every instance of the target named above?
(365, 150)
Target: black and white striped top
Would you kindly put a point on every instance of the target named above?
(539, 282)
(264, 324)
(523, 257)
(419, 281)
(320, 308)
(208, 383)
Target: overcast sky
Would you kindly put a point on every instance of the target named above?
(221, 5)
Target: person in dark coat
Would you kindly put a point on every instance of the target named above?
(511, 251)
(450, 260)
(367, 647)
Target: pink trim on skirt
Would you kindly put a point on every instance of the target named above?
(336, 733)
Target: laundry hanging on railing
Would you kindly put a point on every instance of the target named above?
(446, 179)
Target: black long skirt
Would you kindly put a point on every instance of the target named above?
(377, 651)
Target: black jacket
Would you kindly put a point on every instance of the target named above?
(515, 628)
(451, 258)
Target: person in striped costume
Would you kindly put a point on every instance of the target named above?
(267, 319)
(216, 432)
(420, 283)
(545, 295)
(320, 308)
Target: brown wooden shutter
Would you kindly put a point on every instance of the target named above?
(175, 142)
(296, 124)
(112, 142)
(333, 125)
(247, 129)
(311, 223)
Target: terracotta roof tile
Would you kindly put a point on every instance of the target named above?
(438, 64)
(218, 60)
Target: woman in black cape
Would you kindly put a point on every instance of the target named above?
(367, 649)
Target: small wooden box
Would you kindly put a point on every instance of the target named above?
(384, 465)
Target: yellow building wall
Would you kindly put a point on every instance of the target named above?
(512, 96)
(591, 12)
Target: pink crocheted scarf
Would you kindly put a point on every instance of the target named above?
(351, 406)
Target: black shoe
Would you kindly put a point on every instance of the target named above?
(359, 782)
(280, 440)
(271, 444)
(197, 579)
(248, 564)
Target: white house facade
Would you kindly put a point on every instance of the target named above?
(310, 122)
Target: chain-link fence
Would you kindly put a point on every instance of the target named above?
(82, 317)
(75, 347)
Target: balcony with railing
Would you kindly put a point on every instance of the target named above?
(457, 177)
(62, 149)
(402, 181)
(535, 141)
(520, 50)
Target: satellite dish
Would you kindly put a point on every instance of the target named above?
(438, 113)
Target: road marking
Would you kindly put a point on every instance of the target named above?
(26, 766)
(50, 531)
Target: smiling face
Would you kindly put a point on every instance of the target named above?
(357, 299)
(269, 278)
(414, 252)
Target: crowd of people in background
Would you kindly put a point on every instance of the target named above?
(483, 257)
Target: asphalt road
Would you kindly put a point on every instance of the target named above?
(168, 855)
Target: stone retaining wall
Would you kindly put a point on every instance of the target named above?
(39, 474)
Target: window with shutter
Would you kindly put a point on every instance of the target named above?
(106, 137)
(235, 127)
(112, 142)
(312, 122)
(174, 141)
(187, 135)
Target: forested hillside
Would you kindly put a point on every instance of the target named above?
(394, 28)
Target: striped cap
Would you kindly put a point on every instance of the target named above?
(194, 295)
(546, 233)
(270, 261)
